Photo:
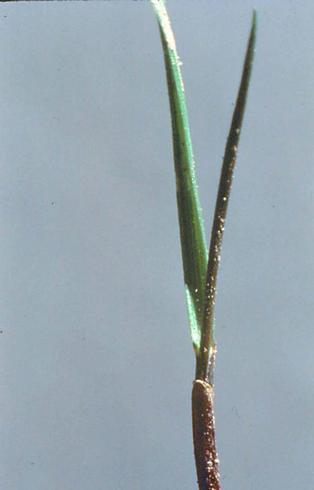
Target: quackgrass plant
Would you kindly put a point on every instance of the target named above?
(199, 266)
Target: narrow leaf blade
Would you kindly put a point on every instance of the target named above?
(193, 244)
(208, 335)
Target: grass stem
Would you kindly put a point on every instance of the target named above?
(200, 274)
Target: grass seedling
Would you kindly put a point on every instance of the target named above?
(201, 268)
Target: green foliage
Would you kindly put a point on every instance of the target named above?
(200, 274)
(193, 244)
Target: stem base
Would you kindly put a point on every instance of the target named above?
(205, 452)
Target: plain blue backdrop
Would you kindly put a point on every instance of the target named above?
(95, 355)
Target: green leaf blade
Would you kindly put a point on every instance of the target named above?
(193, 243)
